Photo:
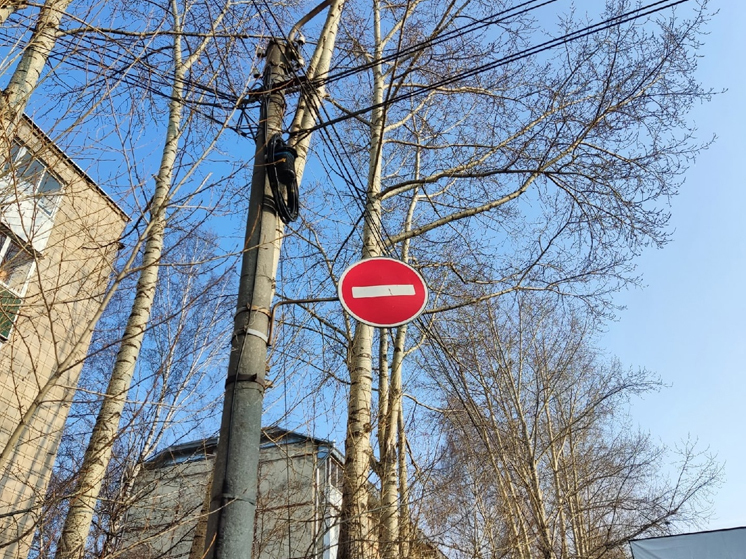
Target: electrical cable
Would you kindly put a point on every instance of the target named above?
(611, 22)
(537, 49)
(156, 78)
(358, 192)
(98, 45)
(333, 146)
(490, 20)
(493, 19)
(280, 161)
(595, 28)
(85, 62)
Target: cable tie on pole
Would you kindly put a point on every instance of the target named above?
(263, 310)
(257, 334)
(244, 378)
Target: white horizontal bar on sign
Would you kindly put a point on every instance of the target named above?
(382, 291)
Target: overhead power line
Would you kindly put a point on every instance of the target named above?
(226, 101)
(120, 58)
(335, 144)
(358, 193)
(493, 19)
(615, 21)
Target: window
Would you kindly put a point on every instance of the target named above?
(336, 473)
(34, 178)
(48, 191)
(15, 265)
(10, 304)
(15, 268)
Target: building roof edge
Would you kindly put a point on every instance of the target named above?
(77, 167)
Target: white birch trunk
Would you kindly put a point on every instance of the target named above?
(26, 75)
(306, 114)
(395, 518)
(97, 456)
(71, 544)
(405, 521)
(389, 484)
(357, 534)
(9, 8)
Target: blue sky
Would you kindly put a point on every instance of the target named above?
(688, 324)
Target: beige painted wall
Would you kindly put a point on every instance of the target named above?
(63, 294)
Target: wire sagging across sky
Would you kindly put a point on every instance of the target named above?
(589, 30)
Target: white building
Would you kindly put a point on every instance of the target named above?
(715, 544)
(299, 499)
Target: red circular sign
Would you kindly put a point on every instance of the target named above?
(382, 292)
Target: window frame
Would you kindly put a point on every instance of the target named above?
(21, 161)
(11, 298)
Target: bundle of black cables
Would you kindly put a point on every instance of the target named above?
(280, 160)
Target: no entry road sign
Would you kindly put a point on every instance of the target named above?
(382, 292)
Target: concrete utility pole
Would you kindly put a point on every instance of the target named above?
(230, 523)
(230, 527)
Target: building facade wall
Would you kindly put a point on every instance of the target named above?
(72, 251)
(297, 507)
(287, 523)
(167, 503)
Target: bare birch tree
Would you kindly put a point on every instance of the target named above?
(490, 171)
(540, 460)
(96, 460)
(27, 73)
(175, 388)
(29, 207)
(548, 174)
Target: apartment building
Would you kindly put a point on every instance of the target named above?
(299, 499)
(59, 235)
